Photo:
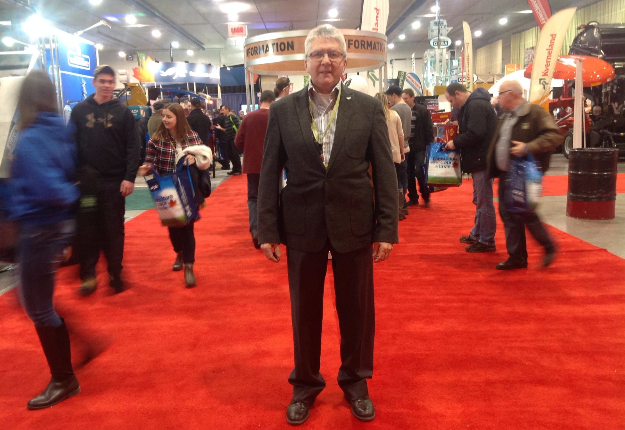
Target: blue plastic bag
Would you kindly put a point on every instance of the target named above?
(526, 184)
(442, 167)
(173, 197)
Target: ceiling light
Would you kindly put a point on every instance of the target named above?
(99, 46)
(175, 45)
(401, 36)
(525, 11)
(233, 17)
(8, 41)
(435, 8)
(131, 19)
(156, 33)
(477, 33)
(458, 42)
(416, 25)
(122, 54)
(35, 26)
(190, 52)
(95, 2)
(503, 21)
(5, 22)
(333, 13)
(234, 7)
(391, 45)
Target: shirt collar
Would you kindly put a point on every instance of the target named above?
(335, 90)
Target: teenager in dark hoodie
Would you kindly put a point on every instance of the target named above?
(477, 121)
(44, 196)
(108, 151)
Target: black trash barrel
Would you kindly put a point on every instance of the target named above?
(592, 183)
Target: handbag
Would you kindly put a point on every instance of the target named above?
(173, 197)
(442, 167)
(525, 184)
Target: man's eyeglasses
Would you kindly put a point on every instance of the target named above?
(503, 92)
(332, 55)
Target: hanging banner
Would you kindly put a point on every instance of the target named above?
(415, 83)
(467, 56)
(401, 79)
(374, 15)
(528, 56)
(237, 30)
(170, 73)
(542, 11)
(550, 42)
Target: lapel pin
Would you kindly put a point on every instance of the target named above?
(349, 97)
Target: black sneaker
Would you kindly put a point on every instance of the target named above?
(234, 172)
(480, 247)
(467, 239)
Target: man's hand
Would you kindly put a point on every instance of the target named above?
(519, 149)
(450, 145)
(381, 251)
(127, 188)
(271, 250)
(219, 127)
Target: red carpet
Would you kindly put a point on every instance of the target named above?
(459, 345)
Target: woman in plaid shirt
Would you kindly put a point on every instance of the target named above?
(163, 153)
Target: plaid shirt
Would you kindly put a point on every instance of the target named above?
(161, 153)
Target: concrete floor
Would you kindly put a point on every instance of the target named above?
(606, 234)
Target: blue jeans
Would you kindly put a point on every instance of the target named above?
(485, 218)
(253, 180)
(40, 249)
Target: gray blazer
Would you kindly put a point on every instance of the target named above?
(341, 203)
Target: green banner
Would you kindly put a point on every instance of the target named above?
(401, 78)
(373, 77)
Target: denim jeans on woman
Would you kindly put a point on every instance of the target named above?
(40, 250)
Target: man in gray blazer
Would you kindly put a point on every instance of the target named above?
(328, 139)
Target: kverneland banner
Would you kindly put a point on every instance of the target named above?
(550, 42)
(374, 15)
(467, 56)
(541, 9)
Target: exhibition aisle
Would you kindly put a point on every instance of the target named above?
(458, 344)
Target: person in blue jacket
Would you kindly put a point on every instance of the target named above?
(44, 195)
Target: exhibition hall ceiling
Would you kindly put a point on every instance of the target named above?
(202, 24)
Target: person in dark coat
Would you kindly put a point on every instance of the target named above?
(523, 128)
(199, 122)
(250, 139)
(477, 120)
(109, 148)
(327, 137)
(421, 135)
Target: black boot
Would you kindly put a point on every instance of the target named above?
(179, 263)
(55, 343)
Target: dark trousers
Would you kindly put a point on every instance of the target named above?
(353, 286)
(40, 250)
(101, 227)
(402, 177)
(223, 152)
(233, 154)
(183, 240)
(514, 226)
(415, 169)
(253, 179)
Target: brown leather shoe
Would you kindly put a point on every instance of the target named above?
(189, 277)
(297, 413)
(363, 409)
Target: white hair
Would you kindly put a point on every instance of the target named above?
(327, 31)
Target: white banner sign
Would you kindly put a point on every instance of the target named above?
(374, 15)
(550, 42)
(467, 64)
